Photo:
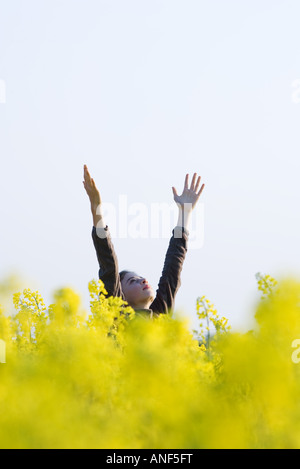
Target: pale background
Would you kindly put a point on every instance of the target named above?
(143, 92)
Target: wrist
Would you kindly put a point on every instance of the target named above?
(97, 215)
(98, 221)
(184, 215)
(187, 207)
(96, 208)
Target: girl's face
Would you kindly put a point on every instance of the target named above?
(137, 291)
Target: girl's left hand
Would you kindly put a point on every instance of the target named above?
(190, 195)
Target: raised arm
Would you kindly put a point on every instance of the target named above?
(107, 259)
(95, 198)
(169, 282)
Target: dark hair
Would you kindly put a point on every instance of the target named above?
(123, 273)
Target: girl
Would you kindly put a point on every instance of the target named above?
(133, 288)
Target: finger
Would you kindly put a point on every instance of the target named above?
(174, 191)
(193, 181)
(186, 182)
(85, 186)
(86, 173)
(200, 192)
(198, 183)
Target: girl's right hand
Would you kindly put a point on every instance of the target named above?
(91, 189)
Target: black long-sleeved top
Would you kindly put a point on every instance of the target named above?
(169, 282)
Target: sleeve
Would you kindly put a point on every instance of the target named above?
(108, 262)
(170, 282)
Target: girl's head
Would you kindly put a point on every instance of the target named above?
(137, 291)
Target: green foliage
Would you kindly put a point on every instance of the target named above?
(108, 378)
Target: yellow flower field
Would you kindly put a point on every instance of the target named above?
(114, 380)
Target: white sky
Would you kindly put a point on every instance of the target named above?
(143, 92)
